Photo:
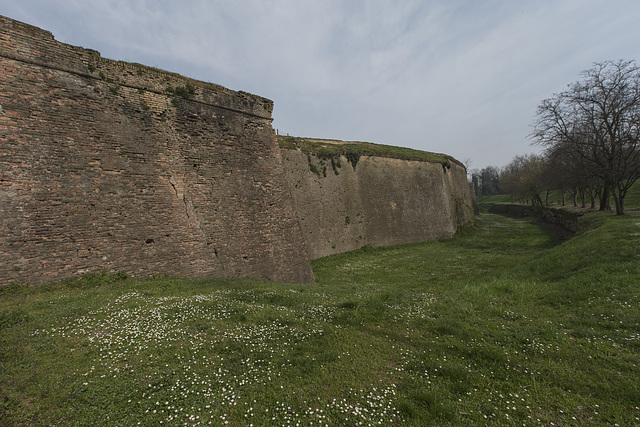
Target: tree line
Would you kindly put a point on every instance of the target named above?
(590, 134)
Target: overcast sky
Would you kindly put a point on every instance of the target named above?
(457, 77)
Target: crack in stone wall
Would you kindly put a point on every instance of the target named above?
(380, 202)
(104, 168)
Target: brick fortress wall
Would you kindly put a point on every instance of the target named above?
(380, 201)
(113, 166)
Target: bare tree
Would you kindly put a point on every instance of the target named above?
(490, 181)
(598, 120)
(486, 181)
(523, 178)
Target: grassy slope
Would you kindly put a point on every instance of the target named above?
(496, 326)
(631, 201)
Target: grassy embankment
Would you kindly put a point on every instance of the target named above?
(327, 148)
(497, 326)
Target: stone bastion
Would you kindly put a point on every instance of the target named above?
(114, 166)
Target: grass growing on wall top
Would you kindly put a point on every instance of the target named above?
(325, 148)
(497, 326)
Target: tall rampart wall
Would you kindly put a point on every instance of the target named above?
(113, 166)
(345, 202)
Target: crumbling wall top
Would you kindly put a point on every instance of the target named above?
(26, 43)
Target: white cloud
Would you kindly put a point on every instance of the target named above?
(456, 76)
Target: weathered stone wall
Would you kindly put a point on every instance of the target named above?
(512, 209)
(563, 218)
(380, 201)
(112, 166)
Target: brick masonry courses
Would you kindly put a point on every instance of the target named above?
(112, 166)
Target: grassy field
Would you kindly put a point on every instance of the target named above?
(498, 326)
(631, 201)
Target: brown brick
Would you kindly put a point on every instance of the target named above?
(104, 168)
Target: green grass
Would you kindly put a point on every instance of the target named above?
(497, 326)
(631, 201)
(326, 148)
(485, 202)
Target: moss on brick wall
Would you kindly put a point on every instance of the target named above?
(383, 199)
(352, 150)
(112, 166)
